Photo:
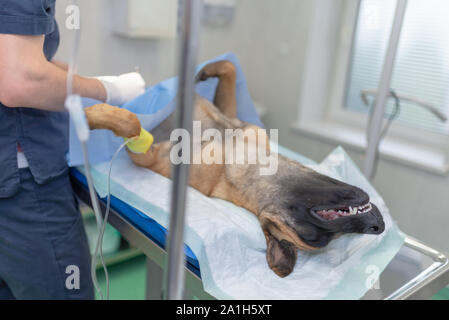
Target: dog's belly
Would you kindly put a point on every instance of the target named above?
(206, 113)
(213, 179)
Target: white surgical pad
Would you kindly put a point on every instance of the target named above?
(230, 246)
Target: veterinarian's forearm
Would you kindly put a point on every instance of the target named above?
(45, 88)
(27, 79)
(61, 65)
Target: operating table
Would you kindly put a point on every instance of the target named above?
(416, 272)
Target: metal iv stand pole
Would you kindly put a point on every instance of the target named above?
(375, 128)
(188, 47)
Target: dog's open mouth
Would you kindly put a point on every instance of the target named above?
(335, 213)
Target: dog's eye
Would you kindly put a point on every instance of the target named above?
(293, 208)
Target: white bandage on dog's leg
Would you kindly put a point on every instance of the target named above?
(123, 88)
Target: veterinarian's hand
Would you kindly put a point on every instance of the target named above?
(123, 88)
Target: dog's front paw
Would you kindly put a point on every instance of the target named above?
(122, 122)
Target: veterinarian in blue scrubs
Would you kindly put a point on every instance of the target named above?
(44, 252)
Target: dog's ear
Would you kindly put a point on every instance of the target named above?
(281, 254)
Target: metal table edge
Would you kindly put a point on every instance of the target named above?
(432, 279)
(143, 243)
(428, 282)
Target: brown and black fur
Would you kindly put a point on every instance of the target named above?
(285, 202)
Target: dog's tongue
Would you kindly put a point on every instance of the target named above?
(328, 215)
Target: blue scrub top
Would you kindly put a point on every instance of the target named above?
(42, 135)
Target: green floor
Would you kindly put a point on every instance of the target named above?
(127, 281)
(442, 295)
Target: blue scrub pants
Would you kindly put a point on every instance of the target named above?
(43, 243)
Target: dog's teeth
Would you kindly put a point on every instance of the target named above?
(365, 208)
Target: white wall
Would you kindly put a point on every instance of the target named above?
(267, 44)
(270, 39)
(103, 53)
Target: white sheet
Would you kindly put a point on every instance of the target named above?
(230, 246)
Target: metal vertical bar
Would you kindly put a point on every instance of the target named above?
(188, 47)
(375, 128)
(153, 288)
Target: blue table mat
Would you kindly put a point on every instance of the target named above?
(149, 227)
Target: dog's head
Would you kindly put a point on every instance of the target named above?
(307, 210)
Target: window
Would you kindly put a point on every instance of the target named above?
(347, 41)
(422, 61)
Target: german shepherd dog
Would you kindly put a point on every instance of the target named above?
(297, 207)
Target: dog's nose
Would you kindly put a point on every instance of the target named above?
(374, 229)
(375, 223)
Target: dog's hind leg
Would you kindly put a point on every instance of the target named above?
(225, 97)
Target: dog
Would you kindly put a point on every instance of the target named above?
(297, 207)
